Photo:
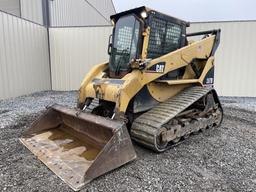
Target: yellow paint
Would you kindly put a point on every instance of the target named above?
(145, 43)
(137, 79)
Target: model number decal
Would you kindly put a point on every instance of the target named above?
(209, 81)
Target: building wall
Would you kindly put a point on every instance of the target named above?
(10, 6)
(32, 10)
(80, 12)
(24, 58)
(105, 7)
(235, 58)
(62, 12)
(74, 51)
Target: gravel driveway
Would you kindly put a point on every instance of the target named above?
(222, 159)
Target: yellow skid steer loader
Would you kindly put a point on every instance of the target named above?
(156, 89)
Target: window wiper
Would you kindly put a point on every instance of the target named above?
(118, 66)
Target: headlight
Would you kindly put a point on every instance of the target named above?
(112, 21)
(144, 14)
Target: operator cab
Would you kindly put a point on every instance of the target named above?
(167, 34)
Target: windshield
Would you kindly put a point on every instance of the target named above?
(125, 43)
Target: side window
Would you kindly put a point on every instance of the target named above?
(164, 37)
(156, 38)
(172, 40)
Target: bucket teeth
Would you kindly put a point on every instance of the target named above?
(78, 148)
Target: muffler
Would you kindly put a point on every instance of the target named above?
(77, 146)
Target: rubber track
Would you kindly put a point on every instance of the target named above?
(146, 127)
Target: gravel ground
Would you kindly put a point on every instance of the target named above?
(221, 159)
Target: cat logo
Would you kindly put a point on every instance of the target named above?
(160, 68)
(157, 68)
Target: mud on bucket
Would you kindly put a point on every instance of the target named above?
(78, 148)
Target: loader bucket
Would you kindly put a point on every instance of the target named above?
(78, 147)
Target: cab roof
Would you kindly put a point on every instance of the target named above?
(137, 11)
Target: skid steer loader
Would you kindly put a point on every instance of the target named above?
(156, 89)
